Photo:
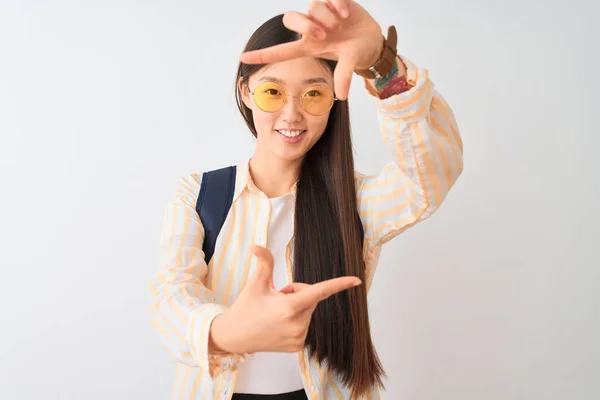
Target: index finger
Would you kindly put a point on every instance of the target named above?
(310, 296)
(280, 52)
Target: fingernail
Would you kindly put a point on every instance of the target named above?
(344, 12)
(357, 282)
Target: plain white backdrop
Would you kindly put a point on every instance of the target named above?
(105, 104)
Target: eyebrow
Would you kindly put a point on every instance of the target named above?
(306, 81)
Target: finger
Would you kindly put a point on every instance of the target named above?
(310, 296)
(302, 24)
(342, 77)
(280, 52)
(296, 22)
(324, 15)
(263, 276)
(294, 287)
(341, 6)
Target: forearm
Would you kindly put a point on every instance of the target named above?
(420, 130)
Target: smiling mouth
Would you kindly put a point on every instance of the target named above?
(290, 134)
(290, 137)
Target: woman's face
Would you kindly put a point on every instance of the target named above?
(290, 132)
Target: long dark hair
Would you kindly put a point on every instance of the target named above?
(327, 238)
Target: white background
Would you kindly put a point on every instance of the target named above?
(105, 104)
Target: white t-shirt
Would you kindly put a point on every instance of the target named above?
(269, 372)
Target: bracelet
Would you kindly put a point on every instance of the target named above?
(396, 85)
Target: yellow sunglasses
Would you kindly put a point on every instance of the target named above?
(271, 96)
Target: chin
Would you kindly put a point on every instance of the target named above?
(287, 152)
(289, 155)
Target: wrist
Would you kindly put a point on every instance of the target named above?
(373, 56)
(218, 341)
(385, 60)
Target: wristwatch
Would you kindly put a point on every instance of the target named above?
(386, 60)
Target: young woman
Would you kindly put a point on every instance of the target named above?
(278, 311)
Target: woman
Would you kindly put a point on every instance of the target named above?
(279, 311)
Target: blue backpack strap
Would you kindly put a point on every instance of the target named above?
(213, 204)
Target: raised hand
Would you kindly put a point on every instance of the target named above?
(354, 39)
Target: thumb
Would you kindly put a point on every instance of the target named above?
(342, 76)
(294, 287)
(263, 275)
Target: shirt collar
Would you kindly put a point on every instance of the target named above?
(243, 180)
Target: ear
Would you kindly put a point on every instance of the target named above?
(245, 95)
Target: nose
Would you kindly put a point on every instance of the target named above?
(292, 110)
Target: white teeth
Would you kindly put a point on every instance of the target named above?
(290, 133)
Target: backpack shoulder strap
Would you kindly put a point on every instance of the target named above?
(213, 204)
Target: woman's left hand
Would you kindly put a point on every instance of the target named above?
(354, 40)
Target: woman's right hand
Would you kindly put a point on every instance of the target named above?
(264, 319)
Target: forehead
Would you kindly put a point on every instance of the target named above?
(298, 71)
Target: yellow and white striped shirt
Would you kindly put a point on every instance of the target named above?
(420, 130)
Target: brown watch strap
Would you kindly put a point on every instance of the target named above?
(387, 58)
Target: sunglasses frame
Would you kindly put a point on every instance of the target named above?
(253, 93)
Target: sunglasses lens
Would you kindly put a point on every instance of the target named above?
(269, 96)
(317, 100)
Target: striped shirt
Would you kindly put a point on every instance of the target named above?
(419, 129)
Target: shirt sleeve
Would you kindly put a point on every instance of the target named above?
(420, 131)
(183, 308)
